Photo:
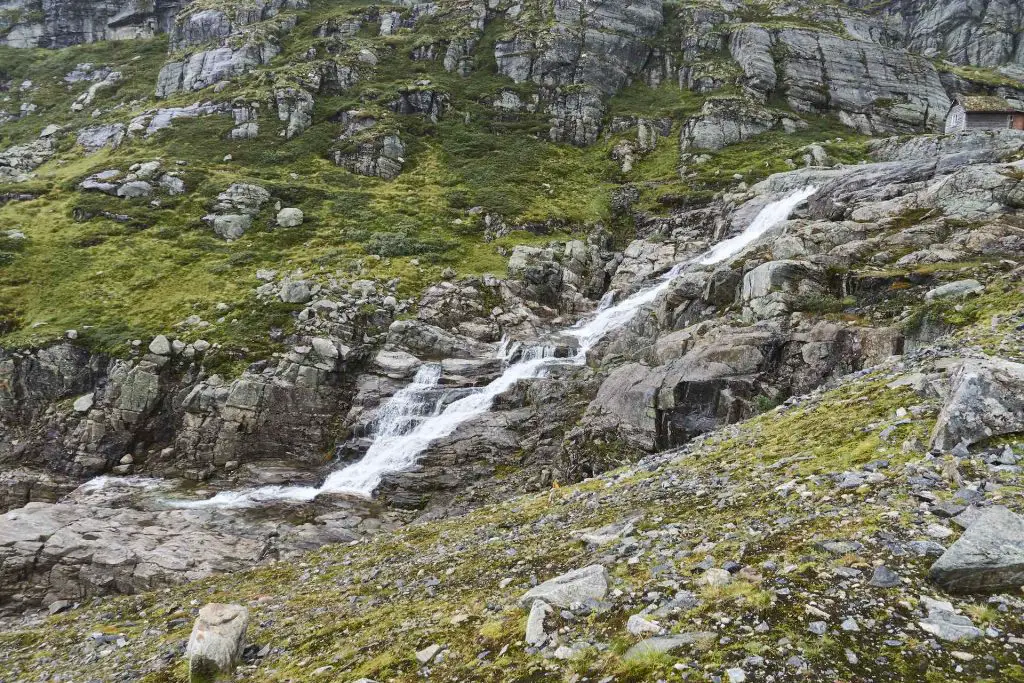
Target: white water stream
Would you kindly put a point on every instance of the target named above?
(416, 416)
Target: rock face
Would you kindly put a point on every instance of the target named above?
(66, 551)
(237, 46)
(62, 23)
(872, 88)
(381, 157)
(588, 54)
(206, 68)
(716, 380)
(986, 399)
(217, 641)
(988, 557)
(983, 33)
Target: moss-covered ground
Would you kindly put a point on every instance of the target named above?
(760, 493)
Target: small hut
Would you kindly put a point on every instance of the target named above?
(983, 112)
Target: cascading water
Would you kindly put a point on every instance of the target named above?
(409, 423)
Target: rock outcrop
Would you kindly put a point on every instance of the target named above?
(985, 33)
(871, 88)
(988, 557)
(589, 53)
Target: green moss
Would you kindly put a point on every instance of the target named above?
(666, 187)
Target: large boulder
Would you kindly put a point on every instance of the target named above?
(217, 641)
(986, 399)
(577, 586)
(989, 556)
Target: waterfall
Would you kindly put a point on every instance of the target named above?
(413, 418)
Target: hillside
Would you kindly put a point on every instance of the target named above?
(371, 317)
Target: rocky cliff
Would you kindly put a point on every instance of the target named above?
(60, 23)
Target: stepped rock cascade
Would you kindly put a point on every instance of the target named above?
(416, 416)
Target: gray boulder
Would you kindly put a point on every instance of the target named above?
(535, 634)
(161, 345)
(579, 585)
(217, 640)
(771, 289)
(172, 185)
(985, 399)
(230, 227)
(944, 623)
(295, 292)
(242, 198)
(290, 218)
(989, 556)
(98, 137)
(955, 290)
(136, 189)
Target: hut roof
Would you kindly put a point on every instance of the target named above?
(985, 104)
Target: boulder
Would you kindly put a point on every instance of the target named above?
(985, 399)
(97, 137)
(535, 634)
(955, 290)
(217, 640)
(172, 185)
(161, 345)
(295, 292)
(637, 625)
(83, 403)
(771, 289)
(666, 644)
(230, 226)
(579, 585)
(989, 556)
(290, 218)
(135, 189)
(242, 198)
(944, 623)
